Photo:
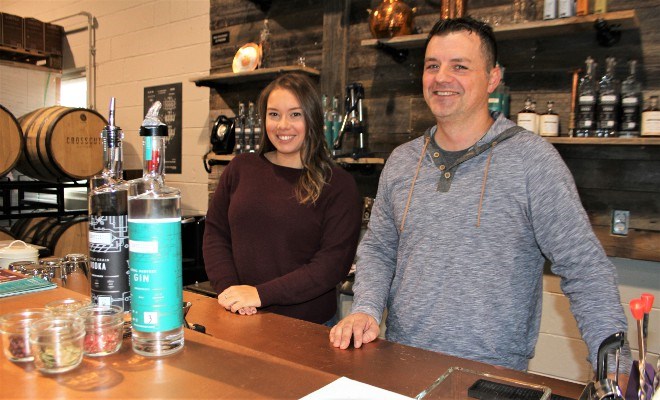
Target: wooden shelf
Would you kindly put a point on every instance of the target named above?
(261, 74)
(627, 19)
(622, 141)
(363, 161)
(220, 157)
(33, 59)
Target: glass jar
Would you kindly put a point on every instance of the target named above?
(104, 327)
(66, 306)
(54, 266)
(15, 330)
(57, 343)
(32, 269)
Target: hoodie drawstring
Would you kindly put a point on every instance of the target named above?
(483, 184)
(412, 186)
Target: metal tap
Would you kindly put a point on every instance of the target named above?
(604, 388)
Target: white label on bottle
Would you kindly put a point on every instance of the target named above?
(586, 99)
(100, 238)
(549, 125)
(566, 8)
(137, 246)
(608, 98)
(528, 121)
(650, 123)
(550, 9)
(630, 101)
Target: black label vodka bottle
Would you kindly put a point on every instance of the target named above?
(631, 102)
(108, 224)
(609, 95)
(585, 117)
(154, 230)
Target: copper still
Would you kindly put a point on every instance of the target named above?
(391, 18)
(452, 9)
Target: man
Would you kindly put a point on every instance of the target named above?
(463, 221)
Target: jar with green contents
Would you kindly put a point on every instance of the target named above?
(57, 343)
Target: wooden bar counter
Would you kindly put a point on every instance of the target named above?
(240, 357)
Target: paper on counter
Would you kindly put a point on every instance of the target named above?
(348, 389)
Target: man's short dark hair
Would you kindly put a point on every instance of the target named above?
(468, 24)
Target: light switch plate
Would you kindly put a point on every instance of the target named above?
(620, 222)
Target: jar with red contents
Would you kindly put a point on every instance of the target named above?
(104, 329)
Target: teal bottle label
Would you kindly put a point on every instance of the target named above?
(156, 283)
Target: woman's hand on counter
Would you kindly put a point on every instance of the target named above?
(363, 328)
(242, 299)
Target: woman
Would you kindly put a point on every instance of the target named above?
(283, 225)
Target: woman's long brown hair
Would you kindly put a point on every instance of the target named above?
(314, 154)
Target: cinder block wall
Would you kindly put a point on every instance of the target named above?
(141, 44)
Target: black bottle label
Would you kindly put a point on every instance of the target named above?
(108, 260)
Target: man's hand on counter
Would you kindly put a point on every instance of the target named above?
(242, 299)
(363, 328)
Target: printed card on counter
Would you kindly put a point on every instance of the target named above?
(349, 389)
(14, 283)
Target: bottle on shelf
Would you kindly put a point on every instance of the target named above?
(587, 96)
(154, 231)
(108, 224)
(549, 121)
(239, 129)
(518, 11)
(581, 8)
(566, 8)
(336, 121)
(527, 117)
(264, 44)
(257, 131)
(600, 6)
(499, 100)
(248, 129)
(609, 101)
(529, 13)
(550, 9)
(651, 118)
(538, 120)
(631, 102)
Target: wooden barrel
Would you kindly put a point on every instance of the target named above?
(6, 235)
(11, 141)
(62, 236)
(61, 144)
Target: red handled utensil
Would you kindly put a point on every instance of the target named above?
(637, 310)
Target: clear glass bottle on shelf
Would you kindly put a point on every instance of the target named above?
(549, 121)
(108, 224)
(631, 102)
(336, 121)
(609, 101)
(239, 129)
(550, 9)
(651, 118)
(256, 131)
(248, 129)
(527, 117)
(587, 96)
(264, 44)
(154, 228)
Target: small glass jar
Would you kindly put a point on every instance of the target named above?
(66, 306)
(104, 327)
(57, 343)
(15, 330)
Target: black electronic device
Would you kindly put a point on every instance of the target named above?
(489, 390)
(223, 137)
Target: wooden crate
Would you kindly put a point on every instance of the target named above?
(12, 31)
(53, 38)
(33, 34)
